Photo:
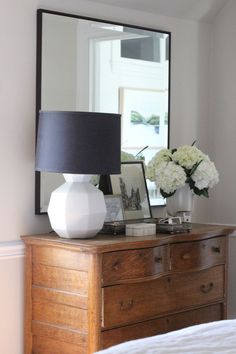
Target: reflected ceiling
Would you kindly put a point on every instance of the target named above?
(197, 10)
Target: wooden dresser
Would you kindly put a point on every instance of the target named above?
(85, 295)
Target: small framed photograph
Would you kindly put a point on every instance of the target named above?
(114, 207)
(131, 185)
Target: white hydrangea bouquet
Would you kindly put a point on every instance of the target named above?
(185, 165)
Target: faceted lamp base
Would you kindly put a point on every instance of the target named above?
(77, 208)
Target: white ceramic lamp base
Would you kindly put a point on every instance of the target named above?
(77, 209)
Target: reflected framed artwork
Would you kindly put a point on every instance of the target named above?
(143, 118)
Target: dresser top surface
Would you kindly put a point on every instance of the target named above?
(107, 243)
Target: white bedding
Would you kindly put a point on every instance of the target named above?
(215, 338)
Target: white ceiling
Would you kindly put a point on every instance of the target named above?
(197, 10)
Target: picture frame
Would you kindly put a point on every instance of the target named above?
(144, 120)
(131, 185)
(114, 207)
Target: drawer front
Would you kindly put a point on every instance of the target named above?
(130, 303)
(134, 264)
(162, 325)
(194, 317)
(198, 254)
(135, 331)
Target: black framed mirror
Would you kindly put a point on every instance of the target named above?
(88, 64)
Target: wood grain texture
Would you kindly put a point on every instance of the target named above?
(198, 254)
(194, 317)
(130, 303)
(45, 330)
(161, 325)
(59, 257)
(83, 295)
(60, 297)
(95, 303)
(110, 243)
(59, 278)
(58, 314)
(43, 345)
(133, 264)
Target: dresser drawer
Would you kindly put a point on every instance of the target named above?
(193, 317)
(130, 303)
(198, 254)
(139, 330)
(162, 325)
(133, 264)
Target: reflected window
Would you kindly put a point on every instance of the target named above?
(146, 48)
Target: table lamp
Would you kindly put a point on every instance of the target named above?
(78, 144)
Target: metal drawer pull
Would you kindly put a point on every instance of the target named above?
(126, 305)
(216, 249)
(205, 288)
(116, 265)
(186, 256)
(158, 259)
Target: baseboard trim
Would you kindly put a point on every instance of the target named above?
(12, 249)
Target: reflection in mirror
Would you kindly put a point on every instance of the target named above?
(88, 65)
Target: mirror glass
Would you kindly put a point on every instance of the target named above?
(87, 64)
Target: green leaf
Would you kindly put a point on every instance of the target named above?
(203, 192)
(141, 151)
(166, 195)
(190, 182)
(194, 167)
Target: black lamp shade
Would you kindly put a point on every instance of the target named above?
(78, 142)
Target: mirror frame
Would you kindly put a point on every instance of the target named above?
(39, 43)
